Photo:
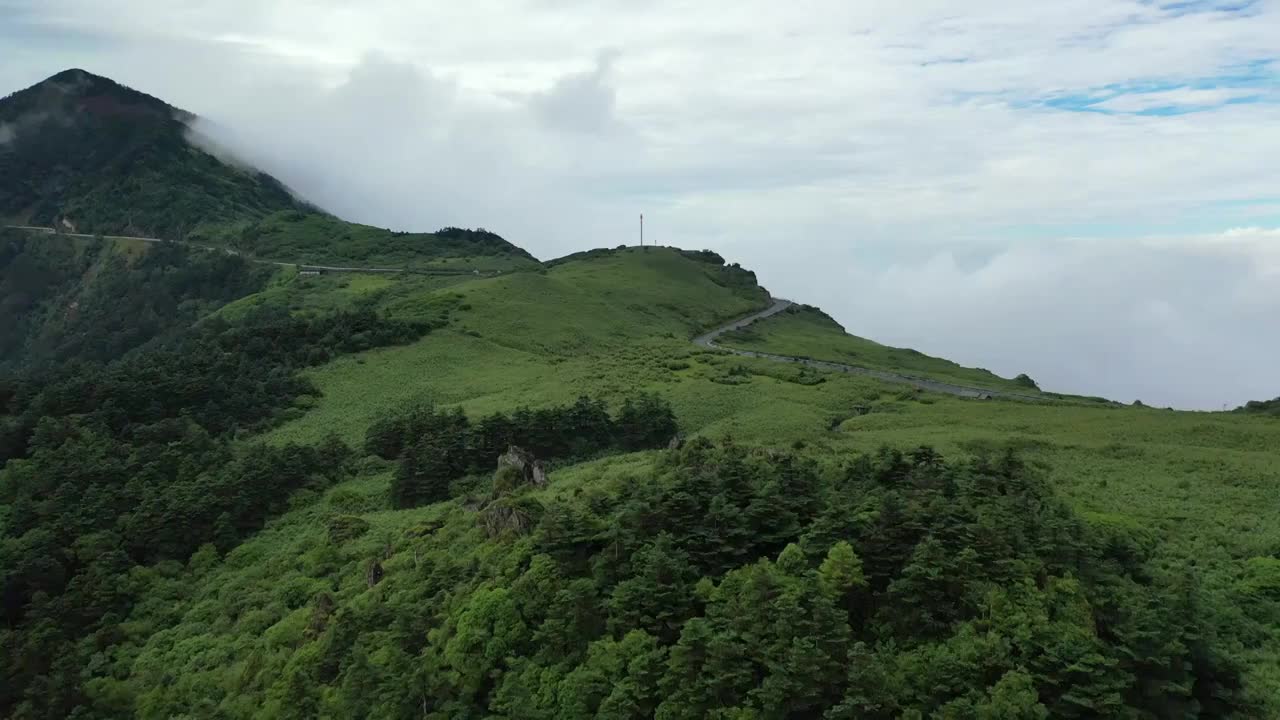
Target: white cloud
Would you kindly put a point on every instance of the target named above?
(824, 143)
(1182, 321)
(1178, 98)
(7, 133)
(582, 102)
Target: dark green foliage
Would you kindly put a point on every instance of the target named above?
(346, 527)
(478, 242)
(585, 255)
(1025, 381)
(436, 447)
(1261, 407)
(92, 507)
(127, 463)
(737, 582)
(423, 474)
(645, 423)
(115, 161)
(310, 237)
(220, 375)
(88, 302)
(707, 256)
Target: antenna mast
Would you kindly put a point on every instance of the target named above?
(641, 229)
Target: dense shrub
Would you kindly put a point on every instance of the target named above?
(128, 463)
(435, 447)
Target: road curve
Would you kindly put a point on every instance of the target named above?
(215, 248)
(708, 340)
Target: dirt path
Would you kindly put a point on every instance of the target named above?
(277, 263)
(708, 340)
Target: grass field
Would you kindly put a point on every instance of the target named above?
(1200, 486)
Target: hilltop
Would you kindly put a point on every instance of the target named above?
(104, 158)
(84, 154)
(231, 489)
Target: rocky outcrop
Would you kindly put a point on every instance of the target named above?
(321, 610)
(510, 517)
(374, 574)
(531, 469)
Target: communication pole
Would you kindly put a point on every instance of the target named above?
(641, 229)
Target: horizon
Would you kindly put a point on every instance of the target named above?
(1038, 190)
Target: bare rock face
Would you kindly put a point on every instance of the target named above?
(321, 611)
(515, 457)
(375, 574)
(510, 517)
(539, 474)
(676, 442)
(530, 468)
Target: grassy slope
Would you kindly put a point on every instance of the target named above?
(807, 332)
(318, 239)
(1201, 484)
(532, 338)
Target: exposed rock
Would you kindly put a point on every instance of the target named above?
(374, 574)
(531, 469)
(320, 613)
(676, 442)
(515, 457)
(507, 516)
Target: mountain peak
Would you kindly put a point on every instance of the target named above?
(87, 150)
(74, 75)
(76, 92)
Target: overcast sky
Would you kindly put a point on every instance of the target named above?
(1087, 191)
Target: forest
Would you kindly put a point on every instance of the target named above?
(113, 464)
(726, 582)
(723, 580)
(435, 447)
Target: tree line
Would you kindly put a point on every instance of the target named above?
(738, 582)
(434, 446)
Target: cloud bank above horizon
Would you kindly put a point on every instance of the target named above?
(1082, 191)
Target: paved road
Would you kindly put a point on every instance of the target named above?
(277, 263)
(708, 340)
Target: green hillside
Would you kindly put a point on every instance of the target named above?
(90, 300)
(233, 490)
(88, 155)
(109, 159)
(805, 331)
(311, 238)
(1040, 558)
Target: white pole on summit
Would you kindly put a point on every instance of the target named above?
(641, 229)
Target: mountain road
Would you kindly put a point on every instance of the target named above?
(708, 340)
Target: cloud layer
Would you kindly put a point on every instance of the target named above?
(1041, 188)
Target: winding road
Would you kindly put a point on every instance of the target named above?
(708, 340)
(215, 248)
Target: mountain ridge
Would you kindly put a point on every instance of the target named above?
(87, 154)
(234, 489)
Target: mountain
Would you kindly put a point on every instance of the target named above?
(98, 157)
(231, 489)
(88, 155)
